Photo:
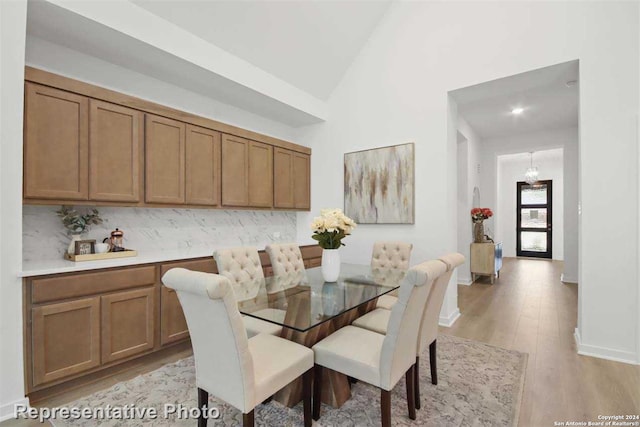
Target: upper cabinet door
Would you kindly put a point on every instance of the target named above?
(164, 160)
(115, 155)
(301, 181)
(56, 151)
(203, 166)
(235, 171)
(283, 178)
(260, 175)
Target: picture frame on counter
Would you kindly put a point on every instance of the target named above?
(85, 247)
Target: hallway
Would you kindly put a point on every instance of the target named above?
(530, 310)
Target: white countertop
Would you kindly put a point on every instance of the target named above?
(55, 266)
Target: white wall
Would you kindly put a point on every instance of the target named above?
(511, 169)
(13, 16)
(468, 178)
(396, 91)
(493, 148)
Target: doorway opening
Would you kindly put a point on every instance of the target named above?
(534, 216)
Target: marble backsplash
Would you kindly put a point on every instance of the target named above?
(158, 229)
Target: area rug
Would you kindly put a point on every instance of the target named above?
(478, 385)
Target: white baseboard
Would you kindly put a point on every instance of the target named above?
(7, 411)
(466, 282)
(567, 279)
(603, 352)
(450, 320)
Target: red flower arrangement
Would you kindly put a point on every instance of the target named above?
(480, 214)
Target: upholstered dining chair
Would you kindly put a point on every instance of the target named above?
(238, 370)
(242, 267)
(390, 255)
(286, 259)
(381, 360)
(378, 320)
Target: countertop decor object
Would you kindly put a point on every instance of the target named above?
(126, 253)
(329, 229)
(478, 215)
(77, 224)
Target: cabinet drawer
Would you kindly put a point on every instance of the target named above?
(76, 285)
(207, 265)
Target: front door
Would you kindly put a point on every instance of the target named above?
(533, 215)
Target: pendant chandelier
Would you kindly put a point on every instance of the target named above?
(531, 175)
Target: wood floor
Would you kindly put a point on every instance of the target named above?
(530, 310)
(527, 309)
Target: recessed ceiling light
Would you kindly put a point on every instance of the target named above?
(517, 111)
(571, 83)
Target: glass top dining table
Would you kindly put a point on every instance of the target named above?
(303, 300)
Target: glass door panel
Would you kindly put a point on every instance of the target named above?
(533, 217)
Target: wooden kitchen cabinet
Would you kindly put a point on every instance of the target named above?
(127, 323)
(260, 175)
(291, 175)
(301, 181)
(235, 171)
(202, 166)
(115, 152)
(173, 324)
(56, 148)
(283, 178)
(86, 145)
(164, 160)
(66, 339)
(247, 173)
(85, 325)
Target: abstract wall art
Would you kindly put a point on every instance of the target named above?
(379, 185)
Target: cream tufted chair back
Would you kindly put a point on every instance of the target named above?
(224, 365)
(242, 267)
(286, 259)
(400, 344)
(391, 255)
(429, 327)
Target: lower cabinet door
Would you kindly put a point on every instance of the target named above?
(173, 324)
(127, 323)
(66, 339)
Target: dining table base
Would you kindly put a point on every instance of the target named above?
(336, 388)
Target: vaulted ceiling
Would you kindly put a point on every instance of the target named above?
(280, 60)
(309, 44)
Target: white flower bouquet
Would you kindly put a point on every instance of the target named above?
(331, 227)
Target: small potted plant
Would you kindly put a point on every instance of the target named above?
(329, 229)
(77, 224)
(478, 215)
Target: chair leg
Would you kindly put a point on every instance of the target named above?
(307, 379)
(409, 378)
(203, 400)
(317, 391)
(385, 407)
(416, 381)
(432, 362)
(247, 419)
